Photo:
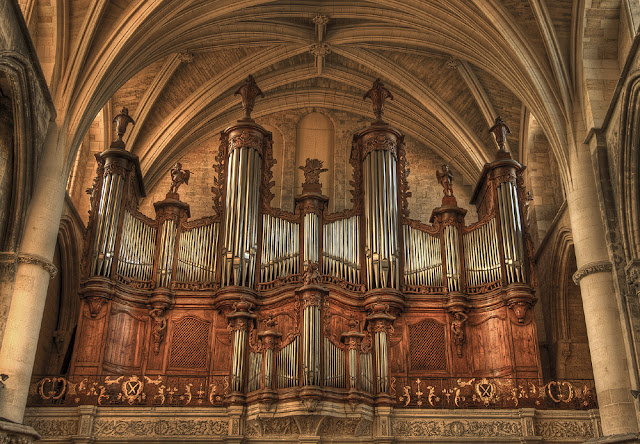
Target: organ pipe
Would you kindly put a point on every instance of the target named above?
(287, 365)
(107, 224)
(240, 241)
(511, 230)
(341, 252)
(280, 248)
(452, 256)
(422, 258)
(239, 322)
(243, 147)
(311, 343)
(381, 214)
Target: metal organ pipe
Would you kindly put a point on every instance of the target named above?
(167, 247)
(366, 371)
(481, 254)
(237, 365)
(197, 257)
(242, 198)
(255, 371)
(287, 365)
(311, 237)
(311, 345)
(280, 248)
(107, 224)
(137, 248)
(381, 218)
(511, 230)
(341, 255)
(422, 258)
(452, 255)
(334, 365)
(382, 372)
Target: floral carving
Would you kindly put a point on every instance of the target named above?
(220, 178)
(456, 428)
(160, 427)
(380, 142)
(591, 268)
(245, 140)
(40, 262)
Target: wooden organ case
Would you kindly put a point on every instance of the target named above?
(256, 306)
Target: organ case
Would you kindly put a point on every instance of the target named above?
(268, 306)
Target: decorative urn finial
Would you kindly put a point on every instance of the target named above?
(249, 91)
(378, 94)
(122, 120)
(500, 130)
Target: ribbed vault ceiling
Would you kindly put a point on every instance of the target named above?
(453, 65)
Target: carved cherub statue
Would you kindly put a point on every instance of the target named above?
(178, 177)
(122, 120)
(445, 178)
(311, 274)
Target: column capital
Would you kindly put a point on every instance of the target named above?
(591, 268)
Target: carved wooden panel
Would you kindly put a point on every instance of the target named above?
(221, 361)
(525, 341)
(124, 341)
(89, 341)
(189, 344)
(398, 356)
(491, 345)
(427, 346)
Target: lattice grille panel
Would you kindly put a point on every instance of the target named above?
(189, 344)
(427, 346)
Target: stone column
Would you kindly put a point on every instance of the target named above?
(602, 317)
(33, 272)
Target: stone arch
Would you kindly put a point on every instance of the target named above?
(62, 305)
(598, 63)
(566, 332)
(629, 168)
(542, 178)
(31, 108)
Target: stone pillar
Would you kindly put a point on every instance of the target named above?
(602, 317)
(33, 272)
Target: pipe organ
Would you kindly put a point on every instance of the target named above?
(307, 305)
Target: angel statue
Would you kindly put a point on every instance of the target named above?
(178, 177)
(445, 178)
